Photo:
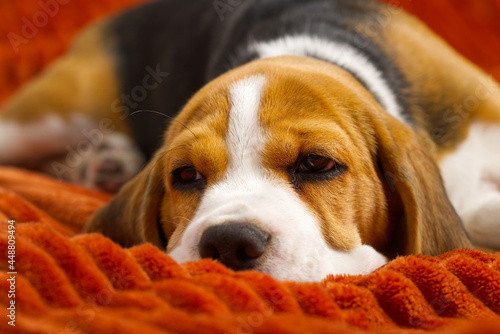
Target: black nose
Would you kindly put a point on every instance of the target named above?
(236, 245)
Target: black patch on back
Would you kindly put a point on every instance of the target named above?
(332, 20)
(189, 40)
(174, 37)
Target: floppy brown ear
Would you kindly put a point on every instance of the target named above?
(429, 224)
(133, 215)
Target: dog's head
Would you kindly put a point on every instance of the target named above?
(288, 166)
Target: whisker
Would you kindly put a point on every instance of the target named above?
(175, 223)
(172, 222)
(188, 220)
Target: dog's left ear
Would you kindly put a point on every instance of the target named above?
(429, 224)
(133, 216)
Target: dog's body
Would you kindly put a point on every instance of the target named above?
(316, 153)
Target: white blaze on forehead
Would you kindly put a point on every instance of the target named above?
(244, 138)
(249, 194)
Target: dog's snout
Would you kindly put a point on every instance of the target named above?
(236, 245)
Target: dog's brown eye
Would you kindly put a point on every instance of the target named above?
(188, 179)
(315, 168)
(187, 174)
(316, 164)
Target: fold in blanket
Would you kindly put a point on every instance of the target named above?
(68, 282)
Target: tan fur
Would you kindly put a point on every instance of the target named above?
(133, 214)
(197, 139)
(131, 217)
(83, 82)
(300, 116)
(456, 92)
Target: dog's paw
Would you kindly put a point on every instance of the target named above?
(106, 166)
(112, 163)
(482, 220)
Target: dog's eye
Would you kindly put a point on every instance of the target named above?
(314, 168)
(186, 176)
(316, 164)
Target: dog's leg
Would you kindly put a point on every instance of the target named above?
(460, 109)
(472, 178)
(63, 122)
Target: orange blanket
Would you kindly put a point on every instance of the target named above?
(69, 282)
(72, 283)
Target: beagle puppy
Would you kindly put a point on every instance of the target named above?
(297, 138)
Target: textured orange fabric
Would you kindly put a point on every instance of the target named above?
(34, 32)
(70, 282)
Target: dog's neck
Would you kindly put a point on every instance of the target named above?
(341, 54)
(308, 32)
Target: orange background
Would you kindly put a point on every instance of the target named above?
(471, 26)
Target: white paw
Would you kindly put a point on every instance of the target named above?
(106, 164)
(482, 220)
(367, 259)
